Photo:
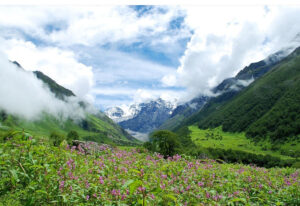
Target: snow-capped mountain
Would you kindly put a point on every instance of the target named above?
(142, 117)
(123, 112)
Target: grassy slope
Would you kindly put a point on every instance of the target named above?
(258, 99)
(238, 141)
(271, 102)
(99, 129)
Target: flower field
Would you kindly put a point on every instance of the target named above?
(34, 173)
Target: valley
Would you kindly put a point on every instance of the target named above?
(149, 105)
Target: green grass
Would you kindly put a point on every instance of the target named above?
(99, 129)
(237, 141)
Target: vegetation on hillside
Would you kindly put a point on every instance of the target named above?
(216, 138)
(93, 126)
(59, 91)
(266, 110)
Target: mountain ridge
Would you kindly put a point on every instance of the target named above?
(147, 116)
(94, 126)
(261, 109)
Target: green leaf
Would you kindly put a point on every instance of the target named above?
(238, 200)
(42, 192)
(134, 185)
(14, 175)
(127, 184)
(134, 170)
(170, 197)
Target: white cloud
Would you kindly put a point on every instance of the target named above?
(61, 65)
(140, 136)
(88, 25)
(138, 95)
(226, 39)
(223, 41)
(22, 94)
(60, 29)
(169, 80)
(146, 95)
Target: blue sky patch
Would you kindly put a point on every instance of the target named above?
(142, 9)
(55, 27)
(176, 23)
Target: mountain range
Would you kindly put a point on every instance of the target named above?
(260, 94)
(144, 117)
(158, 114)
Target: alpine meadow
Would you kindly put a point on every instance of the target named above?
(149, 105)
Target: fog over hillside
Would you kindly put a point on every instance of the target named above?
(24, 95)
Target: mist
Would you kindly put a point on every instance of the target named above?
(217, 52)
(24, 95)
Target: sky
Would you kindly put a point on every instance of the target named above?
(114, 55)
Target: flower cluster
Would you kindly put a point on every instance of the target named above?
(107, 176)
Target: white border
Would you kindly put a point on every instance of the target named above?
(152, 2)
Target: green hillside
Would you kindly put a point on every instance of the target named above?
(216, 138)
(184, 114)
(59, 91)
(94, 127)
(269, 107)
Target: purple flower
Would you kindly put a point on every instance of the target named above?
(236, 193)
(141, 189)
(207, 195)
(152, 196)
(188, 187)
(61, 185)
(101, 180)
(87, 185)
(200, 184)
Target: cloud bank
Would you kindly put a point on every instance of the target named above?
(59, 64)
(24, 95)
(226, 39)
(139, 53)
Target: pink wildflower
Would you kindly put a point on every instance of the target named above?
(200, 184)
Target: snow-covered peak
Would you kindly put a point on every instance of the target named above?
(122, 112)
(126, 112)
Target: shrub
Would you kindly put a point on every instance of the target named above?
(56, 138)
(164, 142)
(72, 135)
